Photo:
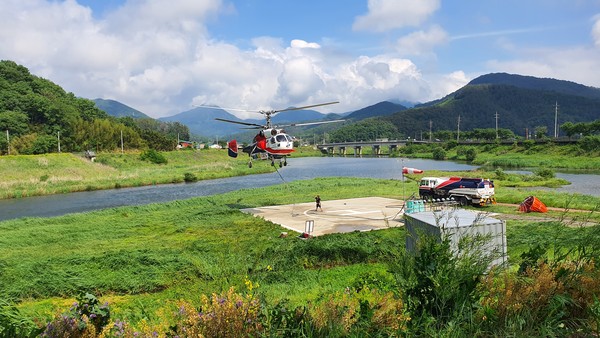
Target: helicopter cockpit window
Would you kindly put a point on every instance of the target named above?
(281, 138)
(289, 138)
(272, 139)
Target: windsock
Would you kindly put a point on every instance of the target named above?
(406, 170)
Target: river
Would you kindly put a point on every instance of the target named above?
(298, 169)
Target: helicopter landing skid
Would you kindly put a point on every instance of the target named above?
(264, 156)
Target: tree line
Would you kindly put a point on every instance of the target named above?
(38, 116)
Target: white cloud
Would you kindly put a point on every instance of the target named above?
(296, 43)
(158, 57)
(444, 84)
(565, 64)
(596, 30)
(422, 42)
(385, 15)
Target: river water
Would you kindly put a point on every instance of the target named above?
(297, 169)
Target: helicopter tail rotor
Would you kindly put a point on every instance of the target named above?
(232, 148)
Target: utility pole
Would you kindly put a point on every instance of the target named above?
(7, 143)
(58, 132)
(556, 120)
(496, 115)
(458, 129)
(430, 130)
(122, 141)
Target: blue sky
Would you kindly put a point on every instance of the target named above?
(165, 56)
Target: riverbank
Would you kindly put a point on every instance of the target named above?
(47, 174)
(528, 155)
(39, 175)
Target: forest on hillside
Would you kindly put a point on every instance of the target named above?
(37, 116)
(520, 110)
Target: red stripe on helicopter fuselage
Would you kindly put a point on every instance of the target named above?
(279, 151)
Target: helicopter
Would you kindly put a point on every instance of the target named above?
(271, 142)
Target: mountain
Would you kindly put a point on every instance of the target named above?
(543, 84)
(380, 109)
(296, 116)
(201, 121)
(520, 101)
(118, 109)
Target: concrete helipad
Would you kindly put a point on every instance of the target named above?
(357, 214)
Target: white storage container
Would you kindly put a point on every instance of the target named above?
(457, 223)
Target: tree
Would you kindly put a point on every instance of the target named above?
(15, 122)
(541, 131)
(368, 129)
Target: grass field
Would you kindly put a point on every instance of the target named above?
(145, 260)
(184, 248)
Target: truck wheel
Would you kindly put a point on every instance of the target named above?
(463, 201)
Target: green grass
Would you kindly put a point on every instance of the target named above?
(63, 173)
(186, 247)
(143, 259)
(35, 175)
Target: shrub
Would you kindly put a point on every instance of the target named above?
(470, 154)
(189, 177)
(153, 156)
(439, 153)
(589, 143)
(229, 314)
(500, 174)
(528, 144)
(545, 173)
(87, 317)
(442, 280)
(451, 144)
(546, 295)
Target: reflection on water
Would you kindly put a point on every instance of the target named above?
(298, 169)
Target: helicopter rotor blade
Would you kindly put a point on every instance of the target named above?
(240, 122)
(304, 107)
(313, 123)
(226, 109)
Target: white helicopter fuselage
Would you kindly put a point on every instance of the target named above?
(279, 142)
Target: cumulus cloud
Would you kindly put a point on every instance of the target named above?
(444, 84)
(158, 57)
(421, 42)
(572, 64)
(384, 15)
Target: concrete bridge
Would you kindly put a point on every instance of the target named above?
(357, 146)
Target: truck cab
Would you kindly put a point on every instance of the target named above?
(427, 184)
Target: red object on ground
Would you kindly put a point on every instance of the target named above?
(532, 203)
(406, 170)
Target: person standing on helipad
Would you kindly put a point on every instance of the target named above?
(318, 201)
